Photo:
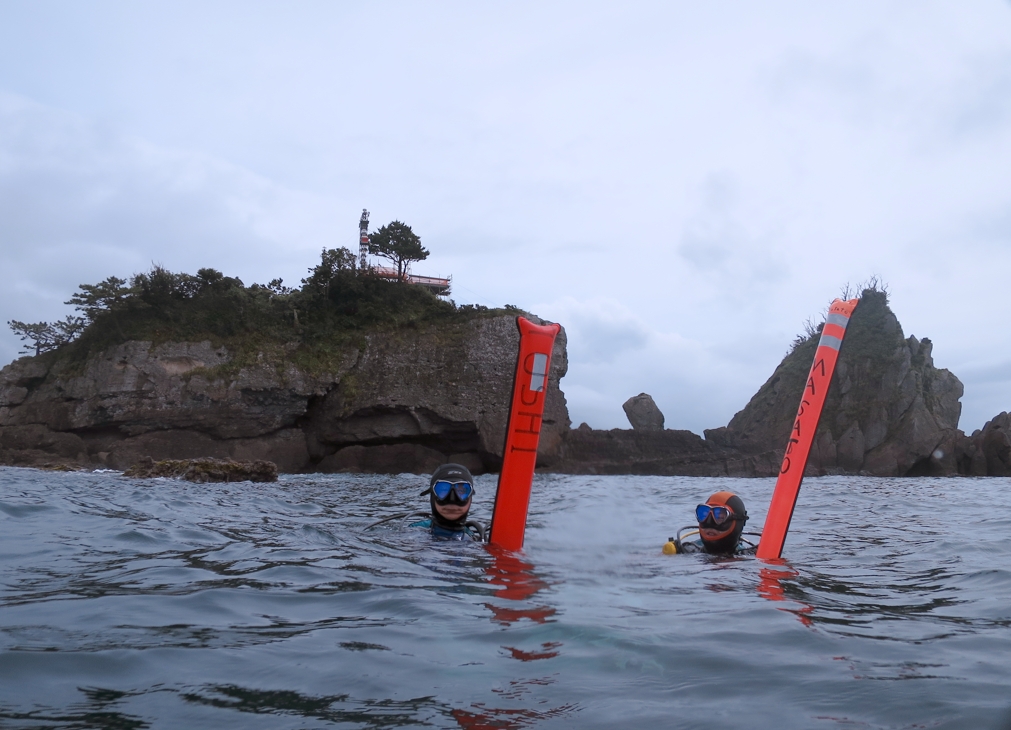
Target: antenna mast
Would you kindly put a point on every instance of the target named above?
(363, 240)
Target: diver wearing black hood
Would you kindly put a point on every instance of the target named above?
(451, 490)
(721, 523)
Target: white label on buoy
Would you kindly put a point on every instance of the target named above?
(540, 372)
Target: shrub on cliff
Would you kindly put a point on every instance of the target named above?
(338, 297)
(160, 305)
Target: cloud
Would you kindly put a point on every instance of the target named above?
(598, 330)
(80, 202)
(712, 233)
(681, 187)
(614, 354)
(992, 372)
(716, 244)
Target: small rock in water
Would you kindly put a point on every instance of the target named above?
(643, 414)
(204, 470)
(49, 466)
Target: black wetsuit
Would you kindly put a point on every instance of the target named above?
(467, 532)
(744, 546)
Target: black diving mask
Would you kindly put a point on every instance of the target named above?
(457, 492)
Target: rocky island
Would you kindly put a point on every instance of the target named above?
(349, 373)
(355, 374)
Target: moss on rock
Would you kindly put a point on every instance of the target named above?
(204, 470)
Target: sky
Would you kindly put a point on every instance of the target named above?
(681, 185)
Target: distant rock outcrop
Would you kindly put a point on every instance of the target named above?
(889, 412)
(667, 452)
(990, 448)
(393, 400)
(643, 413)
(204, 470)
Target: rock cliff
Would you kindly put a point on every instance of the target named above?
(988, 452)
(396, 400)
(889, 412)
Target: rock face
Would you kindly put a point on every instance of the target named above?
(643, 413)
(394, 401)
(669, 452)
(889, 411)
(989, 452)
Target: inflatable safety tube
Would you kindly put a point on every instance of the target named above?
(523, 433)
(798, 447)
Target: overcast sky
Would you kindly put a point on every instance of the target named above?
(681, 185)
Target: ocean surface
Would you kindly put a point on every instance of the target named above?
(163, 604)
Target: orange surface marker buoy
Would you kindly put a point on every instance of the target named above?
(798, 448)
(530, 387)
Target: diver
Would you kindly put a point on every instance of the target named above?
(450, 491)
(721, 529)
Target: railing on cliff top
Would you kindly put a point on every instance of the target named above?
(434, 284)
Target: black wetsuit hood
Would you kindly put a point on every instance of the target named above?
(449, 473)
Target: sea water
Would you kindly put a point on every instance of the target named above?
(163, 604)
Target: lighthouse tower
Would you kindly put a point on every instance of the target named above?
(363, 240)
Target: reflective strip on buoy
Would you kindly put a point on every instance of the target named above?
(798, 447)
(523, 433)
(829, 341)
(539, 371)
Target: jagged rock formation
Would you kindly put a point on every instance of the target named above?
(989, 450)
(398, 400)
(889, 411)
(642, 413)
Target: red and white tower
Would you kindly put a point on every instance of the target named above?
(363, 240)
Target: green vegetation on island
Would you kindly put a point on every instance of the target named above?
(336, 304)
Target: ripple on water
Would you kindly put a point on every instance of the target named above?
(127, 603)
(21, 511)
